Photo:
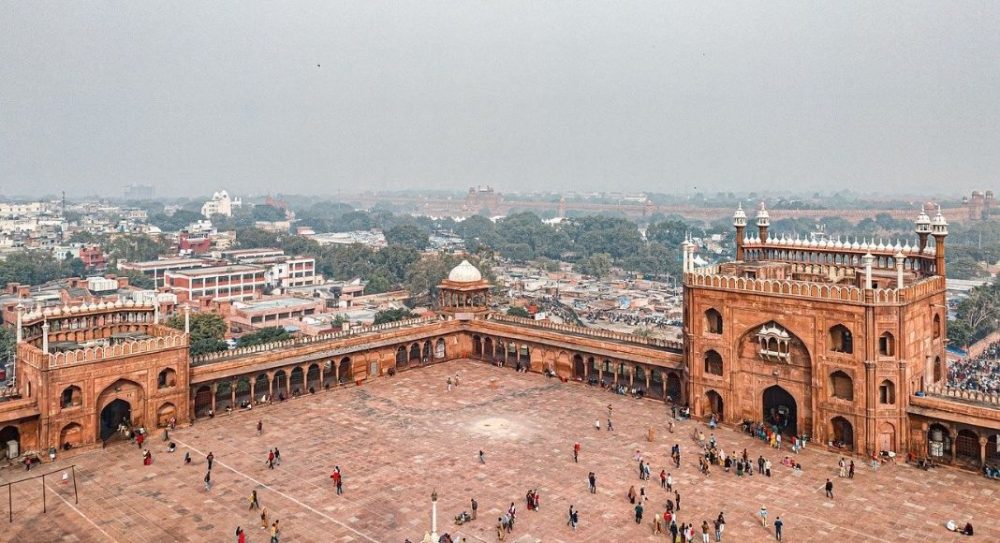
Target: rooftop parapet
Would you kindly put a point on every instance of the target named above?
(674, 346)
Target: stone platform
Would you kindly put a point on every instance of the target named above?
(398, 438)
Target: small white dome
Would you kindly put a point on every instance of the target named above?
(465, 273)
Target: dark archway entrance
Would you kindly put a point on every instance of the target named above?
(715, 405)
(780, 410)
(8, 434)
(578, 368)
(115, 413)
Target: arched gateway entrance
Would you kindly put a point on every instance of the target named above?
(112, 415)
(780, 410)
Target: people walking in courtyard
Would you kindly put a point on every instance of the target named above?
(241, 536)
(270, 459)
(576, 451)
(763, 516)
(704, 531)
(208, 481)
(482, 457)
(720, 526)
(475, 508)
(638, 513)
(592, 479)
(260, 427)
(263, 519)
(597, 424)
(829, 489)
(210, 458)
(277, 457)
(850, 470)
(611, 428)
(254, 504)
(338, 479)
(778, 524)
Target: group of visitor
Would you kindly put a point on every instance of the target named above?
(980, 374)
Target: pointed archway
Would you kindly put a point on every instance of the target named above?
(118, 411)
(780, 410)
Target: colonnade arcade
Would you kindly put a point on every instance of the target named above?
(307, 377)
(653, 381)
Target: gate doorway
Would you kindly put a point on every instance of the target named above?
(117, 412)
(780, 410)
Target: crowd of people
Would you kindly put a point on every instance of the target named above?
(981, 374)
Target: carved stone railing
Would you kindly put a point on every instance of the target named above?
(592, 332)
(942, 390)
(307, 340)
(811, 289)
(125, 348)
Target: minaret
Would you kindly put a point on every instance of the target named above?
(763, 221)
(20, 319)
(740, 222)
(939, 227)
(923, 228)
(686, 250)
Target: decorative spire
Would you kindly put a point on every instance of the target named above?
(740, 217)
(763, 218)
(923, 222)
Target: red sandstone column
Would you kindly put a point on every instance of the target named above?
(982, 451)
(215, 388)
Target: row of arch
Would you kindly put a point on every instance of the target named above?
(962, 445)
(281, 383)
(305, 378)
(420, 353)
(841, 339)
(653, 381)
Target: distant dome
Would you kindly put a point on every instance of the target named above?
(465, 273)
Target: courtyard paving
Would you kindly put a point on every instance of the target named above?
(398, 438)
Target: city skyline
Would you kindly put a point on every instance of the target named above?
(669, 98)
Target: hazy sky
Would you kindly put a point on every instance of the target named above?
(316, 97)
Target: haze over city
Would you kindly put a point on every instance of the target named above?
(657, 96)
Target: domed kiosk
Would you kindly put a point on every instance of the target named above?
(464, 291)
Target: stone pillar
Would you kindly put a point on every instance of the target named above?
(288, 384)
(215, 388)
(187, 319)
(631, 376)
(20, 318)
(321, 376)
(871, 400)
(867, 261)
(45, 337)
(253, 390)
(982, 451)
(434, 516)
(232, 394)
(270, 385)
(336, 370)
(900, 259)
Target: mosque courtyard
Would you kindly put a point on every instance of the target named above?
(397, 439)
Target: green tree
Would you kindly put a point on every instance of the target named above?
(598, 265)
(135, 248)
(408, 235)
(176, 222)
(8, 343)
(34, 267)
(207, 331)
(392, 315)
(264, 335)
(518, 312)
(267, 213)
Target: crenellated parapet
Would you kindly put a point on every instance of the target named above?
(812, 289)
